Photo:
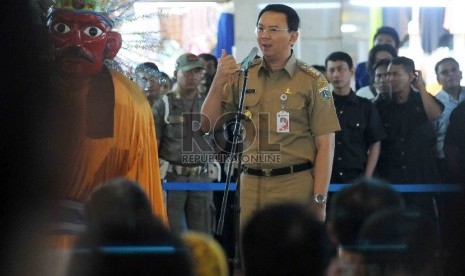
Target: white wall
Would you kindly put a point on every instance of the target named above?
(320, 32)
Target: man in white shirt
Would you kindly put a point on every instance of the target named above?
(449, 76)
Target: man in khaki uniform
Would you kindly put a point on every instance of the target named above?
(183, 145)
(288, 143)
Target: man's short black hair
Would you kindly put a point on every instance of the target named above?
(284, 239)
(320, 68)
(119, 214)
(340, 56)
(403, 242)
(447, 59)
(209, 57)
(351, 206)
(293, 20)
(407, 63)
(146, 66)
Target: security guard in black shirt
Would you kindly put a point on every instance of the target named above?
(359, 141)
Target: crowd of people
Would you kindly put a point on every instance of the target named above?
(113, 147)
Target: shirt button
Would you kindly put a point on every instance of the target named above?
(357, 124)
(341, 112)
(339, 143)
(404, 167)
(402, 153)
(339, 158)
(402, 139)
(341, 173)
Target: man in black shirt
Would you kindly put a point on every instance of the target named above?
(359, 141)
(454, 145)
(407, 154)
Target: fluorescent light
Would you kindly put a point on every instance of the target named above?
(307, 6)
(406, 3)
(348, 28)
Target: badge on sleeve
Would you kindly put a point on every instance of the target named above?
(325, 94)
(323, 90)
(282, 121)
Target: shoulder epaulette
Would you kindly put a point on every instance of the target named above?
(308, 69)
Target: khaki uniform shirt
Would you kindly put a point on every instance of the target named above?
(180, 140)
(298, 90)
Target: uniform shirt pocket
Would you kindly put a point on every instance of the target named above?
(251, 101)
(294, 102)
(175, 126)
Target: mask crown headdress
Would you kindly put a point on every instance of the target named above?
(110, 9)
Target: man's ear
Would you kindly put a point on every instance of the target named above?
(294, 37)
(114, 42)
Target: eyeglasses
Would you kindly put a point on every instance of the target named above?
(270, 30)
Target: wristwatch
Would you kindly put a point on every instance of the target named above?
(320, 199)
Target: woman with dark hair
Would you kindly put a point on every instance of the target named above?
(384, 35)
(377, 53)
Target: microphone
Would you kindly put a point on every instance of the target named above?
(247, 62)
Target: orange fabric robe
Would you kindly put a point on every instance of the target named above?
(131, 151)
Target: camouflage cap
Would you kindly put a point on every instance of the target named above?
(188, 62)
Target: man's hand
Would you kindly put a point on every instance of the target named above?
(418, 83)
(211, 108)
(227, 66)
(319, 209)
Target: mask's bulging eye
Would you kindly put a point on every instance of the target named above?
(93, 31)
(61, 28)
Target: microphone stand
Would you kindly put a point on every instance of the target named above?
(237, 133)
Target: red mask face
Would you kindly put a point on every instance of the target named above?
(81, 42)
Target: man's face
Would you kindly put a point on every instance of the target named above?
(209, 67)
(381, 80)
(146, 79)
(339, 74)
(165, 86)
(152, 88)
(275, 40)
(398, 78)
(79, 42)
(449, 75)
(189, 80)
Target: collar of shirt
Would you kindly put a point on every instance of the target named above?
(351, 97)
(178, 94)
(290, 67)
(444, 97)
